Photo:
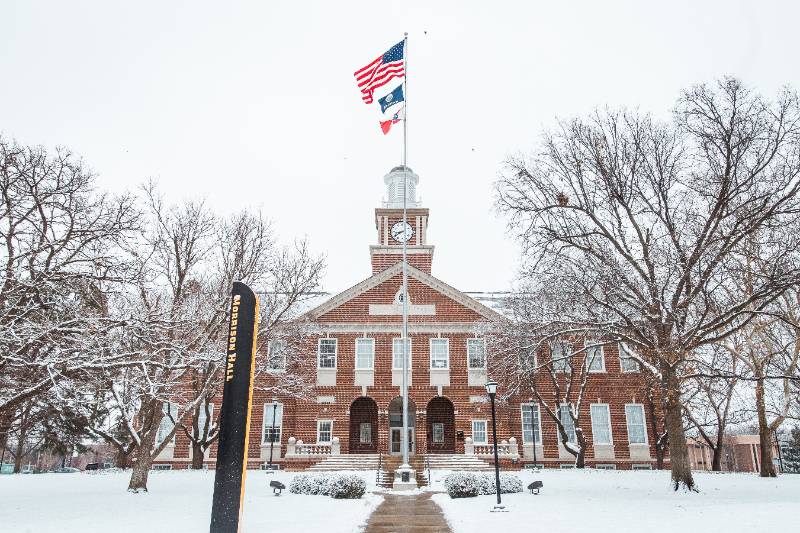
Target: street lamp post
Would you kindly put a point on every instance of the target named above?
(491, 388)
(272, 434)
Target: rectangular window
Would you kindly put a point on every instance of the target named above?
(479, 432)
(365, 433)
(324, 431)
(528, 360)
(365, 354)
(276, 355)
(440, 353)
(601, 423)
(476, 354)
(606, 467)
(595, 358)
(167, 423)
(560, 353)
(326, 355)
(201, 417)
(531, 428)
(397, 353)
(566, 420)
(626, 362)
(270, 412)
(438, 433)
(634, 415)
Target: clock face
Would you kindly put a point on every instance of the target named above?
(402, 231)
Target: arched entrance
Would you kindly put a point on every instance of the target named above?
(363, 426)
(440, 426)
(396, 426)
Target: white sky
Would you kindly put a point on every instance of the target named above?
(254, 103)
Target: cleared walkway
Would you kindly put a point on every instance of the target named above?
(407, 514)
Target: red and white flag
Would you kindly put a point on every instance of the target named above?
(386, 125)
(378, 72)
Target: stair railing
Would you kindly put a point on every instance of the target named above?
(428, 468)
(378, 472)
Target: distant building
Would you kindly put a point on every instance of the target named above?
(740, 453)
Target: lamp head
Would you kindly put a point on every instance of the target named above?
(491, 388)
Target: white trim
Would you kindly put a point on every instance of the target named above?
(335, 353)
(434, 426)
(533, 426)
(485, 431)
(364, 340)
(447, 353)
(621, 350)
(608, 418)
(266, 424)
(483, 343)
(270, 347)
(644, 423)
(602, 356)
(319, 422)
(410, 354)
(431, 328)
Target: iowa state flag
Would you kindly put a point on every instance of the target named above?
(393, 98)
(399, 115)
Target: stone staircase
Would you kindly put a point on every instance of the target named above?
(390, 463)
(350, 461)
(455, 461)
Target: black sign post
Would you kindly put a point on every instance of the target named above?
(234, 419)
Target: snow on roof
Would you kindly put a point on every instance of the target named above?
(497, 301)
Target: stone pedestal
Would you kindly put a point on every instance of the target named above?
(405, 479)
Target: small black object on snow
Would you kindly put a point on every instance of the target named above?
(277, 487)
(535, 486)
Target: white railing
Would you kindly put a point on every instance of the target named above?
(297, 448)
(506, 448)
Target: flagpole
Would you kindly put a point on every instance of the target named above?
(404, 438)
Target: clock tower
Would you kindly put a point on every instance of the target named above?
(391, 229)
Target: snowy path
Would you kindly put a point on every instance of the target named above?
(414, 513)
(178, 502)
(631, 502)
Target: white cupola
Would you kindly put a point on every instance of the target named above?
(394, 188)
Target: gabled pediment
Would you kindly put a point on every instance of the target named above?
(384, 304)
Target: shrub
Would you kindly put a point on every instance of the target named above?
(468, 484)
(347, 486)
(324, 484)
(461, 485)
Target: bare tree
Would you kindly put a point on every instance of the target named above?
(59, 243)
(641, 218)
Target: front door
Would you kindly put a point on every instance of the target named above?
(395, 446)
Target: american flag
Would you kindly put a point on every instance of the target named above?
(380, 71)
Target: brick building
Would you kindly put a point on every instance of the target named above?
(356, 406)
(740, 453)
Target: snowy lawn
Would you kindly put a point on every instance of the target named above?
(178, 502)
(596, 501)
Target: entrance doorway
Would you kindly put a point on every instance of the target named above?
(440, 426)
(396, 445)
(396, 426)
(363, 426)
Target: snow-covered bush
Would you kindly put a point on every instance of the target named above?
(347, 486)
(468, 484)
(462, 485)
(325, 484)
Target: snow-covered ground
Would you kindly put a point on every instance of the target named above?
(595, 501)
(178, 502)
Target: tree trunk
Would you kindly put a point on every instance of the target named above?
(197, 456)
(767, 467)
(18, 455)
(580, 459)
(141, 470)
(673, 420)
(716, 459)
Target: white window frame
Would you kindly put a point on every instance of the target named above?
(361, 428)
(267, 423)
(561, 363)
(587, 359)
(644, 423)
(270, 347)
(438, 340)
(485, 431)
(482, 344)
(524, 359)
(636, 363)
(536, 423)
(398, 341)
(165, 419)
(319, 424)
(365, 341)
(335, 353)
(608, 419)
(440, 427)
(573, 438)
